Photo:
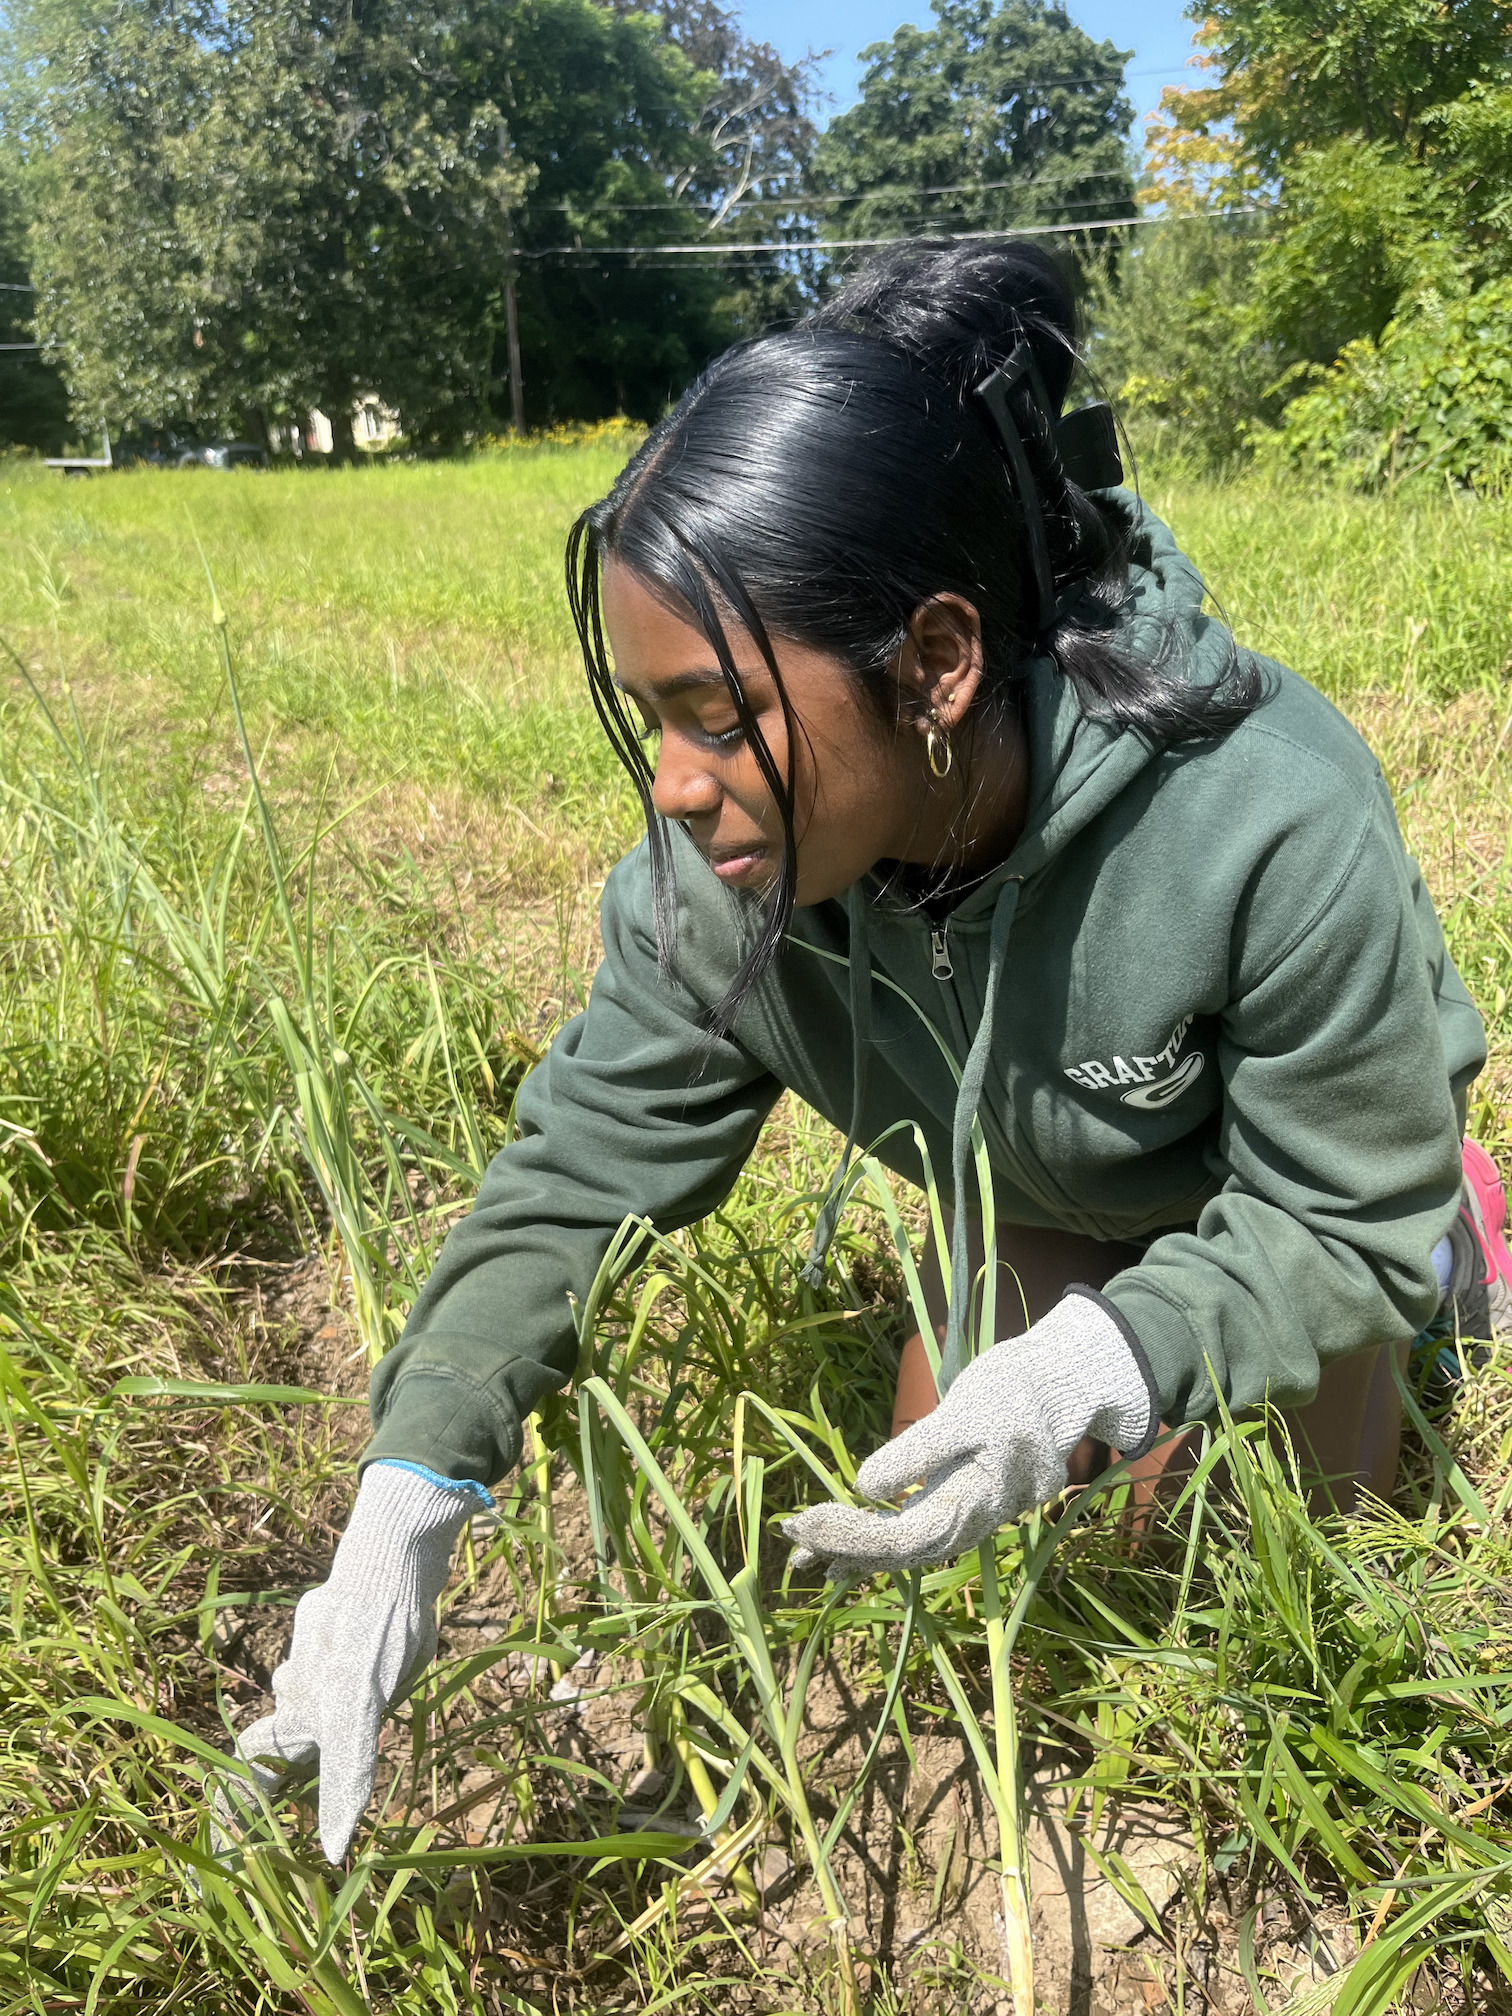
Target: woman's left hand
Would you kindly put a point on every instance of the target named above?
(996, 1445)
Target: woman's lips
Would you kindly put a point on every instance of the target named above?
(738, 866)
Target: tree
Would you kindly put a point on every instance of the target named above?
(761, 132)
(1297, 74)
(245, 210)
(993, 118)
(607, 111)
(756, 117)
(648, 129)
(1380, 129)
(33, 403)
(1377, 134)
(1362, 228)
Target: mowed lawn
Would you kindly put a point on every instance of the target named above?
(256, 1046)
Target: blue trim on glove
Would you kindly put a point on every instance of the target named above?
(441, 1483)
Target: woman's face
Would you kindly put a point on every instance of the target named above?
(859, 790)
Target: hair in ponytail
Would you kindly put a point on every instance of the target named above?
(820, 485)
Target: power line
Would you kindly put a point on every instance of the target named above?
(1052, 83)
(802, 201)
(1081, 203)
(20, 346)
(860, 244)
(15, 287)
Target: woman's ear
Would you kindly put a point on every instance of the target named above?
(940, 664)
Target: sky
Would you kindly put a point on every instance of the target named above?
(1156, 30)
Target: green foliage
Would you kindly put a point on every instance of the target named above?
(639, 129)
(1384, 136)
(1212, 320)
(1174, 342)
(1311, 70)
(1431, 402)
(33, 404)
(615, 336)
(1361, 228)
(1012, 96)
(246, 212)
(1469, 140)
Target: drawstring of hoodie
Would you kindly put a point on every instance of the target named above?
(968, 1099)
(861, 1023)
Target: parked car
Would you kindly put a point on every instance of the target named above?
(224, 455)
(152, 450)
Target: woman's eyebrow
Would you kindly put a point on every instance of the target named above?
(680, 682)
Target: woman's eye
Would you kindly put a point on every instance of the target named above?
(724, 738)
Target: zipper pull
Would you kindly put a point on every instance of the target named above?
(940, 966)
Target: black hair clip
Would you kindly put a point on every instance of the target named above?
(1088, 444)
(1085, 441)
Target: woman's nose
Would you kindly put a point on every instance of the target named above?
(684, 787)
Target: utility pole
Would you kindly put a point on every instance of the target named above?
(511, 314)
(512, 337)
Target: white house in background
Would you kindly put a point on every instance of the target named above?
(374, 425)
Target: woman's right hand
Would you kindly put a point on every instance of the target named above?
(359, 1638)
(997, 1444)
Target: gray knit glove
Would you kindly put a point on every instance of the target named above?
(996, 1445)
(359, 1637)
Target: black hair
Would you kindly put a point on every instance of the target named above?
(820, 485)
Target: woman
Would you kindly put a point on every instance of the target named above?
(939, 755)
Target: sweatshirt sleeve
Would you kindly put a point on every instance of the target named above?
(633, 1111)
(1339, 1149)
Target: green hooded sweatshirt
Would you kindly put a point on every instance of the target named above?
(1220, 1022)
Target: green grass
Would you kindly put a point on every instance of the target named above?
(1357, 592)
(243, 1029)
(403, 629)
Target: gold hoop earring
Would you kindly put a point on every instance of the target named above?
(937, 748)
